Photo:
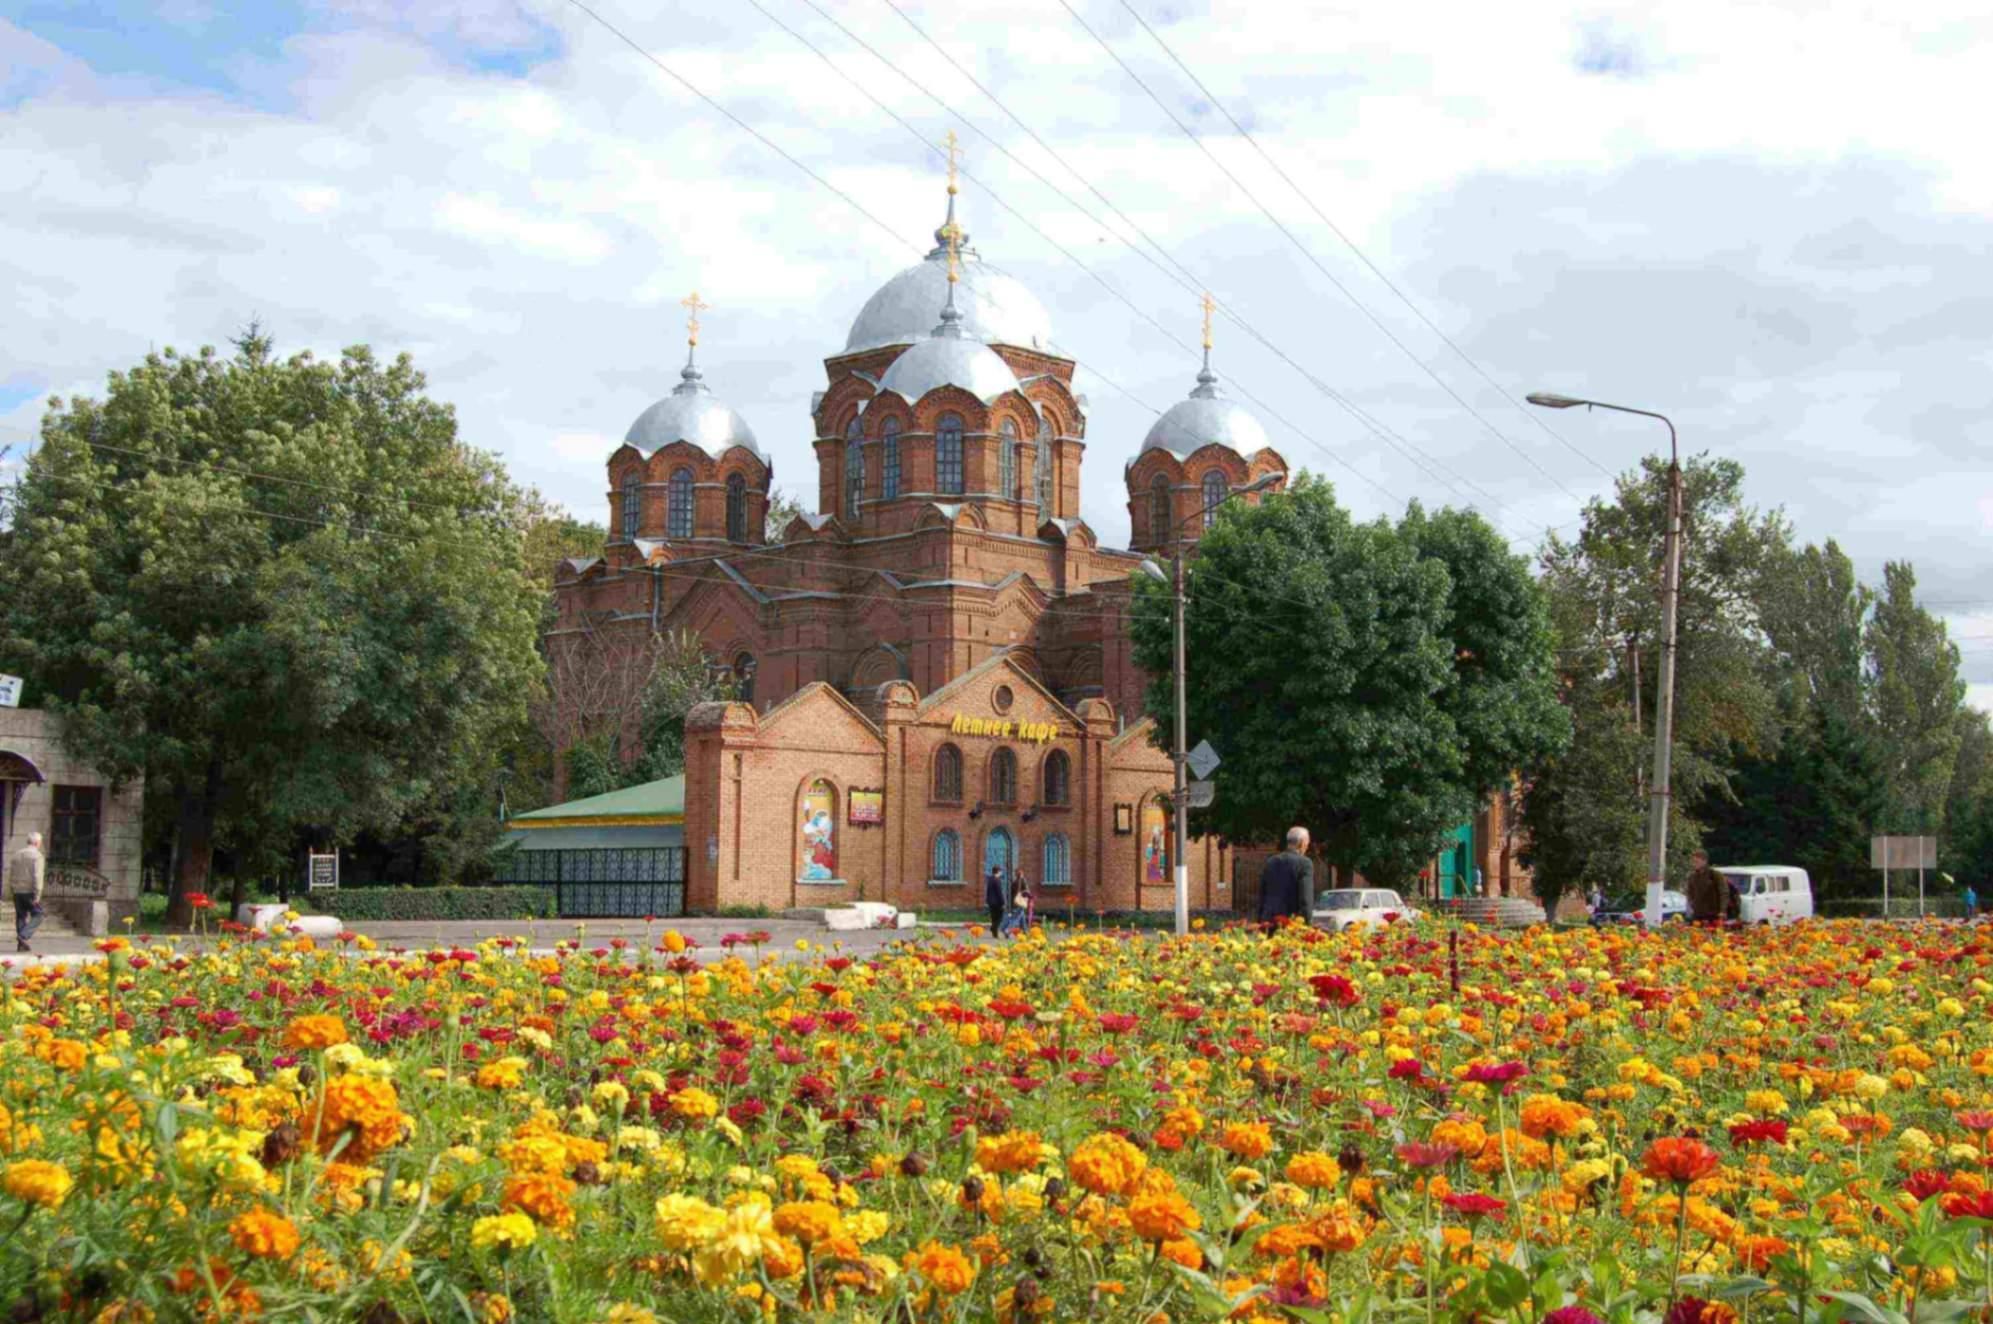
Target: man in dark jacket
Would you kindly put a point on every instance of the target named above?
(1710, 897)
(996, 897)
(1287, 883)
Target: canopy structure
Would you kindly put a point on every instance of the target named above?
(649, 814)
(17, 773)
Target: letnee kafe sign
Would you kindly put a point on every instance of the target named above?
(1002, 728)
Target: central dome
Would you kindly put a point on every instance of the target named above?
(996, 309)
(947, 361)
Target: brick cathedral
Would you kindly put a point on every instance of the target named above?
(934, 667)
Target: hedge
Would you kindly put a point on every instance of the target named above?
(420, 903)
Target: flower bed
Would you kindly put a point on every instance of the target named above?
(1598, 1125)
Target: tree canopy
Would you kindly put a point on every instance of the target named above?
(281, 590)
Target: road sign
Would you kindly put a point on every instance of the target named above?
(1203, 760)
(1902, 852)
(322, 872)
(10, 691)
(1199, 795)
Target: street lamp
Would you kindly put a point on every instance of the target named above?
(1664, 706)
(1179, 755)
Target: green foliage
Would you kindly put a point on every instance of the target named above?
(1916, 698)
(783, 506)
(281, 590)
(1324, 667)
(755, 911)
(1814, 804)
(432, 903)
(1584, 819)
(681, 678)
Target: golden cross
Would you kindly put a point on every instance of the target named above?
(954, 146)
(1208, 306)
(954, 255)
(693, 308)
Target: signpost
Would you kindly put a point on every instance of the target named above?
(322, 872)
(10, 691)
(1886, 853)
(1200, 794)
(1203, 760)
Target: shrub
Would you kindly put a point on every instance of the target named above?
(422, 903)
(756, 911)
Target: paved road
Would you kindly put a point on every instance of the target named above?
(707, 934)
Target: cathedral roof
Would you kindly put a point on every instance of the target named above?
(942, 360)
(996, 308)
(692, 413)
(1205, 418)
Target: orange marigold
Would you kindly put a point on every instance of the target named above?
(1679, 1159)
(543, 1195)
(264, 1234)
(1162, 1216)
(948, 1270)
(1106, 1164)
(1547, 1115)
(1183, 1252)
(1314, 1170)
(307, 1032)
(363, 1107)
(1247, 1140)
(810, 1222)
(1013, 1151)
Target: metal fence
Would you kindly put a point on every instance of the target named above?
(604, 882)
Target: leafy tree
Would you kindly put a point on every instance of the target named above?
(783, 506)
(1966, 848)
(1814, 611)
(1319, 656)
(282, 590)
(1813, 804)
(1917, 698)
(1584, 820)
(681, 678)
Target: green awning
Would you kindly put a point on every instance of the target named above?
(649, 804)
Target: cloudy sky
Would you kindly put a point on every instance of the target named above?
(1772, 222)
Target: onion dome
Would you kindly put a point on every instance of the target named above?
(691, 413)
(996, 309)
(1204, 419)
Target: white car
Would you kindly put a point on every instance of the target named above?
(1340, 907)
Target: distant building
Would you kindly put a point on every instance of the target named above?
(91, 831)
(947, 536)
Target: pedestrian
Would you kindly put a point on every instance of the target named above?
(1971, 902)
(995, 897)
(1595, 903)
(1287, 883)
(1710, 897)
(25, 876)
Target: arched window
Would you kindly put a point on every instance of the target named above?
(744, 679)
(1007, 460)
(817, 837)
(1215, 491)
(854, 469)
(1003, 777)
(1041, 468)
(1058, 779)
(889, 465)
(1058, 865)
(948, 774)
(947, 864)
(1159, 509)
(736, 508)
(678, 505)
(948, 454)
(632, 505)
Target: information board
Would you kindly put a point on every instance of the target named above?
(322, 872)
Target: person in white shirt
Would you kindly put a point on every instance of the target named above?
(25, 875)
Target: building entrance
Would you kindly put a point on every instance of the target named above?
(999, 852)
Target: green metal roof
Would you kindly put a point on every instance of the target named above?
(662, 800)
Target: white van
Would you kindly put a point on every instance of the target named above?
(1770, 893)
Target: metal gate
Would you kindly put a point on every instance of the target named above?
(614, 882)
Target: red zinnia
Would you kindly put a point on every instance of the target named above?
(1747, 1133)
(199, 900)
(1679, 1159)
(1496, 1073)
(1474, 1205)
(1423, 1155)
(1978, 1204)
(1975, 1121)
(1925, 1184)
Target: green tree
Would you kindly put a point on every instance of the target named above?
(1583, 818)
(1966, 848)
(1814, 611)
(1319, 657)
(283, 590)
(1917, 698)
(681, 678)
(782, 508)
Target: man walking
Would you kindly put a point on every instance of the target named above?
(1711, 901)
(24, 876)
(1287, 883)
(996, 897)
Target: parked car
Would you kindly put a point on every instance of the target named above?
(1770, 893)
(1340, 907)
(1631, 908)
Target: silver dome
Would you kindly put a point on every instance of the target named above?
(690, 413)
(944, 360)
(996, 309)
(1206, 417)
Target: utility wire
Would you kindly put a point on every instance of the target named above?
(1533, 415)
(1294, 239)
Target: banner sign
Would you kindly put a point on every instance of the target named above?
(868, 807)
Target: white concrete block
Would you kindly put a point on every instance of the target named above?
(844, 919)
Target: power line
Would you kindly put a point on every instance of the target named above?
(1317, 263)
(1533, 415)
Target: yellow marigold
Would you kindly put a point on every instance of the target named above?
(543, 1195)
(1162, 1216)
(265, 1234)
(625, 1313)
(364, 1107)
(694, 1105)
(1106, 1164)
(308, 1032)
(1314, 1170)
(509, 1231)
(868, 1225)
(685, 1222)
(781, 1258)
(1547, 1115)
(946, 1269)
(808, 1221)
(1013, 1151)
(1251, 1141)
(746, 1233)
(505, 1073)
(33, 1181)
(1183, 1252)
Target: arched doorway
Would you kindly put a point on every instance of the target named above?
(999, 852)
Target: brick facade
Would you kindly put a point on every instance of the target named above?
(29, 734)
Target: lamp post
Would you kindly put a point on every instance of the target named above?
(1664, 701)
(1180, 856)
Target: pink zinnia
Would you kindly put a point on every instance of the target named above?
(1419, 1154)
(1496, 1073)
(1474, 1205)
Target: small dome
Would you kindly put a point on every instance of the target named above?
(690, 413)
(943, 360)
(1204, 419)
(996, 309)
